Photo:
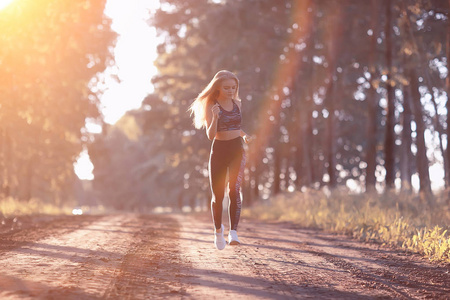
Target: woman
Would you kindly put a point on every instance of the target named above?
(218, 109)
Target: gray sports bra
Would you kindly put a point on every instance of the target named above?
(229, 120)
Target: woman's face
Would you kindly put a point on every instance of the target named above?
(227, 89)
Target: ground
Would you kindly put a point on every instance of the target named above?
(131, 256)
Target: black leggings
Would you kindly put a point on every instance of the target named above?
(226, 156)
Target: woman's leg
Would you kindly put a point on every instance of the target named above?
(236, 175)
(217, 177)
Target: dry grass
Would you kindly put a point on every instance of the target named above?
(395, 219)
(10, 207)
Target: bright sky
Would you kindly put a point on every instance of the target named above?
(134, 53)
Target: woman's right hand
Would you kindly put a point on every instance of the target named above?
(215, 110)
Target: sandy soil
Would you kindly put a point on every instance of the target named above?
(132, 256)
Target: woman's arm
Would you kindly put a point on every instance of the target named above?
(247, 139)
(212, 115)
(243, 133)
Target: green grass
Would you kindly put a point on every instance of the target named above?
(399, 220)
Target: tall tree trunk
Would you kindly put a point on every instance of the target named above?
(389, 142)
(308, 147)
(247, 188)
(302, 133)
(255, 184)
(8, 164)
(317, 164)
(422, 160)
(330, 105)
(447, 105)
(331, 138)
(278, 156)
(296, 133)
(2, 161)
(298, 141)
(406, 156)
(431, 82)
(28, 179)
(372, 103)
(254, 173)
(298, 161)
(5, 162)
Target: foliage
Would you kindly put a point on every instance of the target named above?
(305, 82)
(398, 220)
(314, 80)
(129, 157)
(50, 54)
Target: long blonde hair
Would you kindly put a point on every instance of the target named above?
(209, 95)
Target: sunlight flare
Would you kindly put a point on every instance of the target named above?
(84, 167)
(4, 3)
(282, 79)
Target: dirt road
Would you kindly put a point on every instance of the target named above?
(172, 256)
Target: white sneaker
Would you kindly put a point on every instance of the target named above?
(219, 240)
(233, 238)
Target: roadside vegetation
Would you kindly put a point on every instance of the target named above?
(11, 207)
(400, 220)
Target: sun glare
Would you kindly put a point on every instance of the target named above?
(4, 3)
(84, 167)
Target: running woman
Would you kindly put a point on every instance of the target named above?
(218, 109)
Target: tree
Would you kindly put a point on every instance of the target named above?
(50, 54)
(372, 104)
(327, 95)
(447, 81)
(389, 143)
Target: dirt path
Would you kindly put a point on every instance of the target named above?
(172, 256)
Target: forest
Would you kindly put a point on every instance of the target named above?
(340, 95)
(51, 55)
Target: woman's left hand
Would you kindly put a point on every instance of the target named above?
(247, 139)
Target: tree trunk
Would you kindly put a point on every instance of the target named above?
(5, 162)
(447, 105)
(278, 156)
(308, 147)
(372, 103)
(299, 141)
(389, 142)
(406, 157)
(330, 105)
(247, 189)
(28, 179)
(422, 160)
(253, 175)
(2, 161)
(296, 136)
(315, 164)
(331, 138)
(310, 164)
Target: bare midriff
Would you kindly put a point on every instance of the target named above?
(227, 135)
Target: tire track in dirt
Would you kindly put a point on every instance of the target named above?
(151, 269)
(405, 275)
(271, 265)
(173, 256)
(70, 262)
(280, 261)
(32, 228)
